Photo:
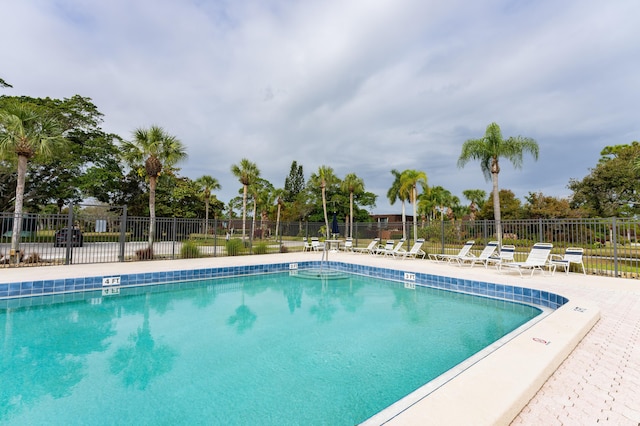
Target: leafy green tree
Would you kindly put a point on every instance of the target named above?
(8, 183)
(488, 150)
(612, 187)
(394, 193)
(246, 172)
(156, 148)
(207, 184)
(409, 182)
(540, 206)
(131, 191)
(178, 196)
(27, 133)
(353, 185)
(103, 175)
(511, 207)
(63, 178)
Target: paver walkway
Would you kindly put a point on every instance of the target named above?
(599, 383)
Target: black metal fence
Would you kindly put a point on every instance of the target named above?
(611, 244)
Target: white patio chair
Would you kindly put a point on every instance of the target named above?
(506, 255)
(348, 245)
(316, 244)
(464, 251)
(482, 258)
(368, 249)
(307, 245)
(571, 255)
(387, 248)
(536, 260)
(416, 250)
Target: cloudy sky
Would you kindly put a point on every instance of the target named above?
(362, 86)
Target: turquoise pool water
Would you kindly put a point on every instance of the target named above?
(273, 349)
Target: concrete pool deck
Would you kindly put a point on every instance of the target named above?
(598, 382)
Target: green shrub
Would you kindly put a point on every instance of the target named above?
(234, 247)
(189, 250)
(260, 248)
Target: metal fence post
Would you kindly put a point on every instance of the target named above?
(123, 233)
(215, 236)
(614, 242)
(355, 243)
(540, 233)
(174, 233)
(442, 235)
(68, 257)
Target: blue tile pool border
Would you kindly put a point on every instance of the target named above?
(13, 294)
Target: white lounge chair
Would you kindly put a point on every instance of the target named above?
(482, 258)
(397, 249)
(571, 255)
(464, 251)
(536, 260)
(416, 250)
(316, 244)
(348, 245)
(387, 248)
(368, 249)
(506, 255)
(307, 245)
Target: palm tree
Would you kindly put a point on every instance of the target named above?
(443, 200)
(279, 195)
(157, 149)
(488, 150)
(394, 194)
(262, 193)
(4, 83)
(476, 197)
(409, 181)
(26, 133)
(246, 172)
(207, 184)
(324, 178)
(353, 185)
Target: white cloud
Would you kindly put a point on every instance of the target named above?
(362, 86)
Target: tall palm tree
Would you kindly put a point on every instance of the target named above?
(409, 181)
(26, 133)
(4, 83)
(246, 172)
(157, 149)
(488, 151)
(324, 178)
(207, 184)
(353, 185)
(394, 194)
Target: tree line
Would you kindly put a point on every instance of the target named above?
(54, 153)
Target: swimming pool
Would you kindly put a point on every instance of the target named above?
(117, 333)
